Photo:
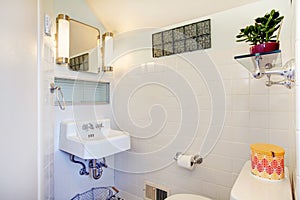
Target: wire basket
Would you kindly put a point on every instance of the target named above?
(98, 193)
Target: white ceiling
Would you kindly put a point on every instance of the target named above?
(125, 15)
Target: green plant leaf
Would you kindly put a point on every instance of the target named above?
(258, 20)
(246, 31)
(262, 30)
(276, 14)
(264, 20)
(241, 40)
(269, 20)
(267, 16)
(279, 19)
(251, 28)
(277, 27)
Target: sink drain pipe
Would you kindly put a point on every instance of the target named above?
(83, 170)
(96, 170)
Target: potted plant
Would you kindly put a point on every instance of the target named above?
(263, 33)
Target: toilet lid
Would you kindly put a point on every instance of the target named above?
(186, 197)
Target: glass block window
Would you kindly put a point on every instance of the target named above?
(182, 39)
(78, 92)
(80, 63)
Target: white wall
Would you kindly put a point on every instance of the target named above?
(297, 55)
(46, 115)
(19, 102)
(152, 96)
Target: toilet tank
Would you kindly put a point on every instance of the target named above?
(250, 187)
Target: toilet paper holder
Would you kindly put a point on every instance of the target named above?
(196, 158)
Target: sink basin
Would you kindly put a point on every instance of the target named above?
(92, 139)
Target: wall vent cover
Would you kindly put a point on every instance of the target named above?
(155, 192)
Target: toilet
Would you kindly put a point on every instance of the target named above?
(250, 187)
(186, 197)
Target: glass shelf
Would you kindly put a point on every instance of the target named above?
(269, 64)
(257, 64)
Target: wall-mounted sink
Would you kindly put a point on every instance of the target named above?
(92, 139)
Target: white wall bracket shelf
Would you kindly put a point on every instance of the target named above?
(269, 64)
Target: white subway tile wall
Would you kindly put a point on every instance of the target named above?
(254, 112)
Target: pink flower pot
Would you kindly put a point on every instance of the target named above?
(265, 47)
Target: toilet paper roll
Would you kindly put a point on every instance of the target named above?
(186, 161)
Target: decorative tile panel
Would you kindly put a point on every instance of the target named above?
(190, 31)
(182, 39)
(157, 38)
(157, 50)
(168, 36)
(178, 33)
(179, 46)
(191, 44)
(168, 49)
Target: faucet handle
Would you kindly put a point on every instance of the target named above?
(91, 126)
(99, 125)
(85, 127)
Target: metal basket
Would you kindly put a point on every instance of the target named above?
(98, 193)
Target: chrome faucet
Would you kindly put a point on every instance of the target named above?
(90, 126)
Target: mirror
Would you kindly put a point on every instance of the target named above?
(84, 47)
(77, 45)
